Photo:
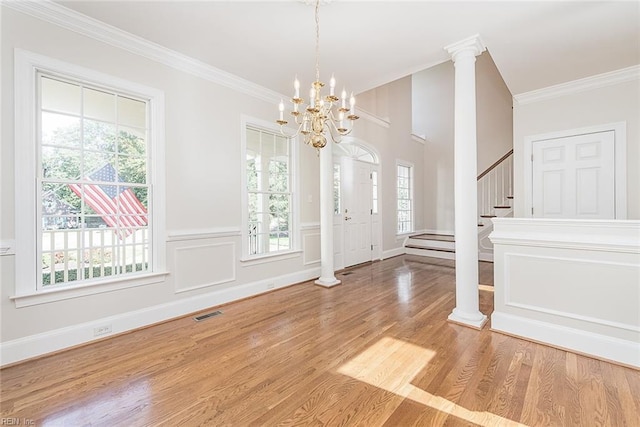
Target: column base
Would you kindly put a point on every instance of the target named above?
(329, 282)
(473, 320)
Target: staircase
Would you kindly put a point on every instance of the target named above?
(495, 199)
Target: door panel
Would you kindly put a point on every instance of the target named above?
(573, 177)
(356, 198)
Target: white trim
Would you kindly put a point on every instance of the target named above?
(581, 85)
(610, 348)
(88, 288)
(390, 253)
(205, 233)
(380, 121)
(26, 67)
(622, 235)
(620, 152)
(39, 344)
(71, 20)
(7, 247)
(265, 258)
(306, 226)
(422, 139)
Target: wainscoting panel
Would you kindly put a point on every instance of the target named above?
(220, 259)
(573, 284)
(599, 292)
(311, 248)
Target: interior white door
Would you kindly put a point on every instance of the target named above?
(574, 177)
(356, 211)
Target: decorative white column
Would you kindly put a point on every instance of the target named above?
(327, 277)
(467, 310)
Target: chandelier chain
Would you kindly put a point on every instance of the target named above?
(318, 40)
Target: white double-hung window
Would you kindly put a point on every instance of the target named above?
(88, 165)
(404, 180)
(269, 192)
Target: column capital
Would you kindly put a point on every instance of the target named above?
(471, 44)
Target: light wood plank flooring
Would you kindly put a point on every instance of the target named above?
(375, 351)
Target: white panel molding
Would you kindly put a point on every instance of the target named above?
(510, 302)
(306, 226)
(47, 342)
(589, 235)
(209, 233)
(594, 82)
(209, 271)
(305, 245)
(7, 247)
(601, 346)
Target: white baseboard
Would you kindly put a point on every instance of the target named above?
(59, 339)
(393, 252)
(597, 345)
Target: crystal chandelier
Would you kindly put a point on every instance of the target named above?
(322, 115)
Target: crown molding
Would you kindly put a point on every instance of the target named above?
(381, 121)
(588, 83)
(71, 20)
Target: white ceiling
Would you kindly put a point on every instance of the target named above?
(534, 44)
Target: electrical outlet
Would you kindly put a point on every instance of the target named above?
(101, 330)
(270, 285)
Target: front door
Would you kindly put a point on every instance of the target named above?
(356, 211)
(574, 176)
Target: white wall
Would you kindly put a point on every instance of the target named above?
(559, 110)
(203, 195)
(433, 115)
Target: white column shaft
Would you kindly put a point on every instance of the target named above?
(327, 274)
(466, 203)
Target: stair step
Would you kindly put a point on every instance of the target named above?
(438, 237)
(487, 216)
(429, 248)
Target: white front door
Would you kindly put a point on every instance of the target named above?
(356, 211)
(574, 177)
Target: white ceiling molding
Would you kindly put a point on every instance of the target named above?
(381, 121)
(581, 85)
(59, 15)
(419, 138)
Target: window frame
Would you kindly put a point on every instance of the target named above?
(27, 67)
(294, 229)
(410, 167)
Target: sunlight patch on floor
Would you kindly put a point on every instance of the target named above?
(391, 364)
(487, 288)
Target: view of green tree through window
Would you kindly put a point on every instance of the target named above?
(269, 193)
(93, 182)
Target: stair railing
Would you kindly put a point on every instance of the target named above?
(495, 185)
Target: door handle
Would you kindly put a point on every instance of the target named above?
(347, 218)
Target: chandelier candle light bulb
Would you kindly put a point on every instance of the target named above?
(320, 117)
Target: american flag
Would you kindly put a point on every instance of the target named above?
(117, 205)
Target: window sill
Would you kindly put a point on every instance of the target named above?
(70, 292)
(261, 259)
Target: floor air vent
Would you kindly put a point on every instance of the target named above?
(206, 316)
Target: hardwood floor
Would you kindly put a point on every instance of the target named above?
(375, 351)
